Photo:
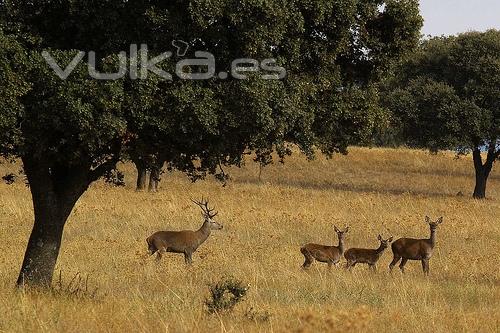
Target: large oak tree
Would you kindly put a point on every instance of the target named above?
(447, 97)
(69, 133)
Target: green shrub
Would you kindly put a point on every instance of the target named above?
(225, 294)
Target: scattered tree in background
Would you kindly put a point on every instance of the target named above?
(447, 97)
(69, 133)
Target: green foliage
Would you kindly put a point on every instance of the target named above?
(71, 121)
(115, 178)
(331, 49)
(353, 116)
(225, 294)
(69, 133)
(447, 95)
(13, 63)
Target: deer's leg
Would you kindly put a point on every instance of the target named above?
(425, 266)
(333, 262)
(394, 262)
(188, 258)
(307, 263)
(402, 264)
(308, 259)
(373, 267)
(159, 253)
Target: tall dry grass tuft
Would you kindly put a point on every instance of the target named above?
(374, 191)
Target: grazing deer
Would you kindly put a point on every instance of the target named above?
(366, 256)
(323, 253)
(415, 249)
(186, 241)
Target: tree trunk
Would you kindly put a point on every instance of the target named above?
(482, 171)
(480, 188)
(44, 243)
(142, 174)
(55, 191)
(155, 176)
(154, 180)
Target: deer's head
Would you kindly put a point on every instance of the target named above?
(384, 243)
(341, 233)
(208, 214)
(433, 225)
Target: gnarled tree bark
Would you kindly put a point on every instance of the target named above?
(155, 175)
(55, 191)
(142, 174)
(151, 164)
(483, 170)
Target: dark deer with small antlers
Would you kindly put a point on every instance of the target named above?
(366, 256)
(186, 241)
(323, 253)
(415, 249)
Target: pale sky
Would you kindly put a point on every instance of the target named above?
(449, 17)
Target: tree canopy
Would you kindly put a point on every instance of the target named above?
(69, 133)
(447, 97)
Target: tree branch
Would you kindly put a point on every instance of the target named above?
(493, 153)
(109, 164)
(496, 149)
(478, 161)
(99, 171)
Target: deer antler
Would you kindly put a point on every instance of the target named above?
(203, 204)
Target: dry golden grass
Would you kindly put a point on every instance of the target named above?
(372, 190)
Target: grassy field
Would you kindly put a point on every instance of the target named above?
(265, 223)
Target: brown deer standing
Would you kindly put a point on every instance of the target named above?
(366, 256)
(323, 253)
(186, 241)
(415, 249)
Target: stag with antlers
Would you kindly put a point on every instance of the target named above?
(186, 241)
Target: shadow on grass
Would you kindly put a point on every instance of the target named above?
(367, 189)
(459, 281)
(445, 173)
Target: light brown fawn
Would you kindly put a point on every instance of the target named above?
(415, 249)
(366, 256)
(323, 253)
(186, 241)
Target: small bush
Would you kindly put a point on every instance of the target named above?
(225, 294)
